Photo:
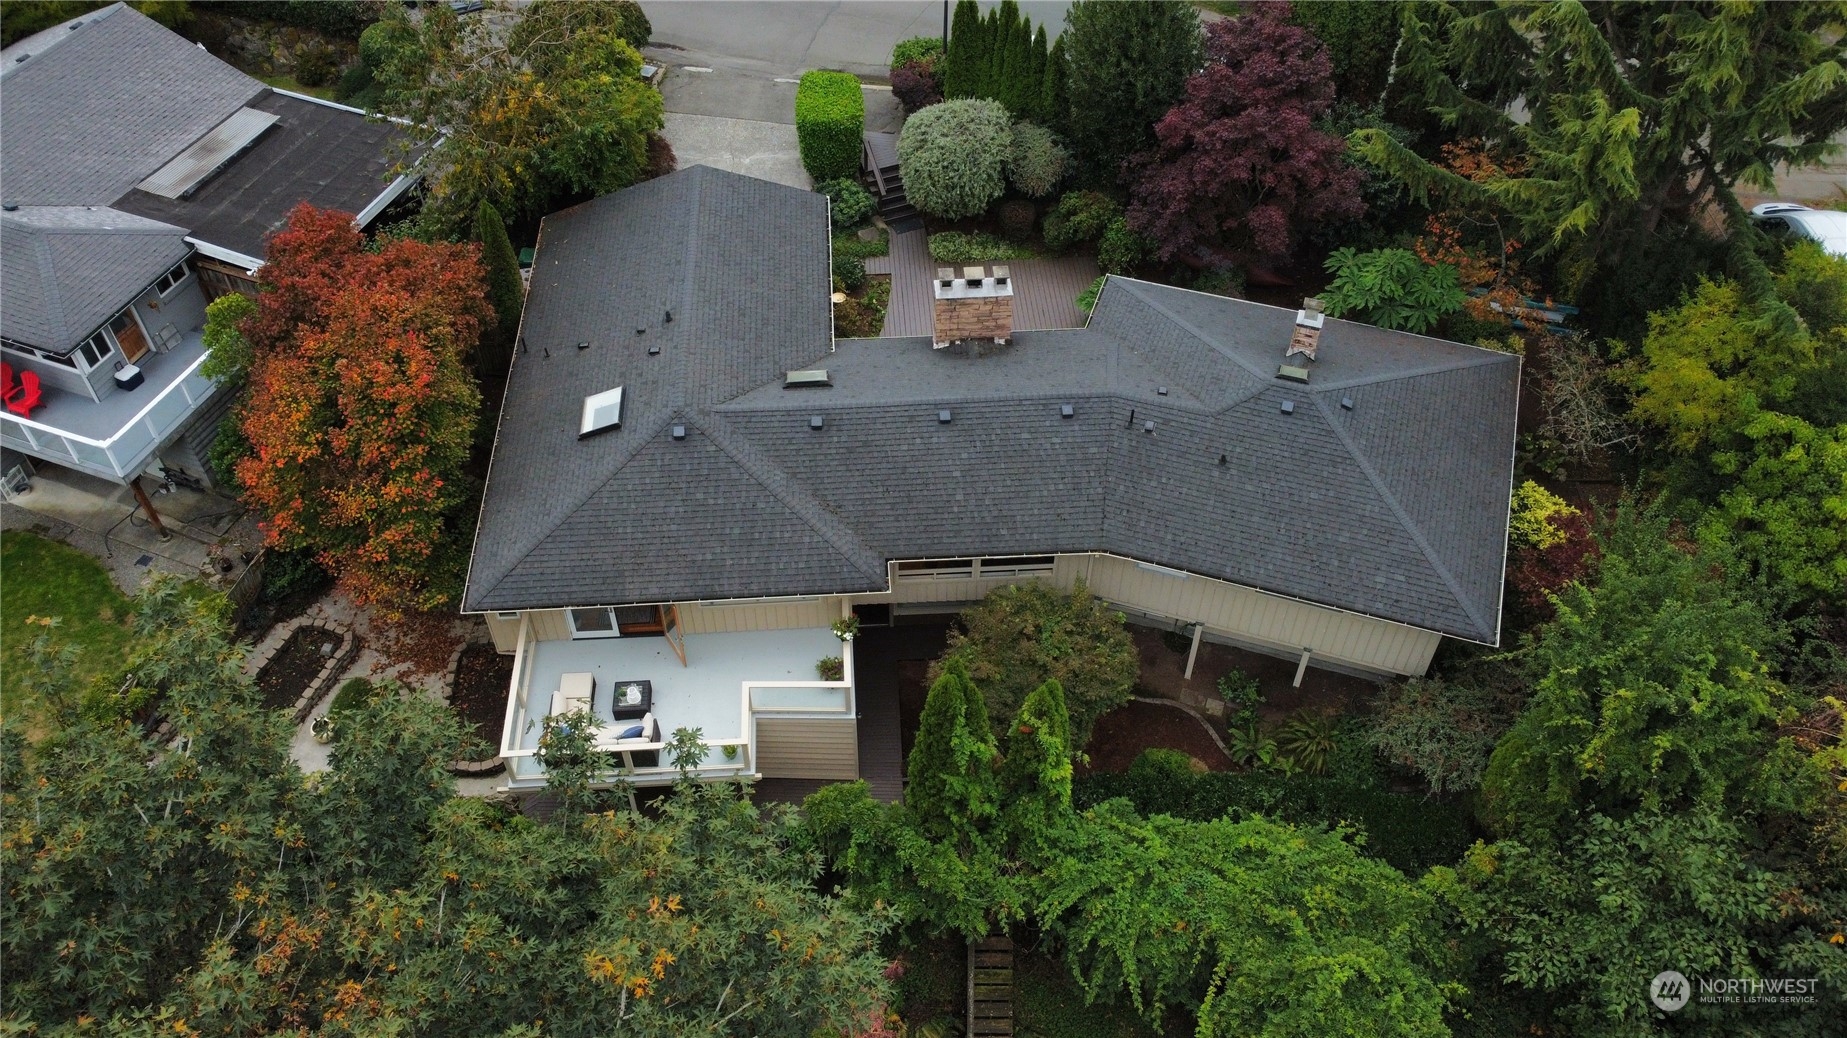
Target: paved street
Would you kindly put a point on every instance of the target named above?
(786, 38)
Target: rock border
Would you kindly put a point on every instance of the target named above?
(1207, 725)
(331, 668)
(468, 768)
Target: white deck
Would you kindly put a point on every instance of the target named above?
(708, 693)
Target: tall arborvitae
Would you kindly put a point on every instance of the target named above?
(966, 53)
(994, 42)
(505, 292)
(1053, 103)
(1035, 777)
(1032, 89)
(950, 786)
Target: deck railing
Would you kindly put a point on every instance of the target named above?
(126, 453)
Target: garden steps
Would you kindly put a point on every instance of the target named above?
(990, 988)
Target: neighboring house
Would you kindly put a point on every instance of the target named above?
(678, 495)
(139, 176)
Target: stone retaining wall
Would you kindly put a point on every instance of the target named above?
(331, 668)
(468, 768)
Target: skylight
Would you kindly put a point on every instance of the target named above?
(602, 411)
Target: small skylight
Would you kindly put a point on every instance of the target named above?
(602, 411)
(807, 378)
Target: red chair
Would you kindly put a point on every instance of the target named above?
(28, 396)
(6, 381)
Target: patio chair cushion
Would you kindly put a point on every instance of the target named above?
(632, 732)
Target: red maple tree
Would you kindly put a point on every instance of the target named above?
(1239, 162)
(361, 409)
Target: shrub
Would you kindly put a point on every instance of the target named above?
(661, 159)
(316, 66)
(1220, 281)
(1036, 162)
(1308, 739)
(851, 245)
(229, 447)
(1087, 299)
(864, 317)
(1391, 288)
(956, 247)
(916, 88)
(851, 206)
(953, 157)
(1121, 249)
(850, 273)
(1536, 515)
(1022, 635)
(1412, 833)
(926, 50)
(292, 571)
(1445, 731)
(356, 80)
(1079, 217)
(830, 124)
(1016, 216)
(353, 694)
(1242, 695)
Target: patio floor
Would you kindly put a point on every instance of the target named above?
(1045, 291)
(706, 694)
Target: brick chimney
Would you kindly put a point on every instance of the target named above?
(976, 304)
(1307, 334)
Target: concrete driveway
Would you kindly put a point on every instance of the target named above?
(856, 36)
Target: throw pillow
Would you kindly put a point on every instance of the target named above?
(631, 732)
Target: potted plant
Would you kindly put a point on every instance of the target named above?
(731, 753)
(322, 728)
(846, 628)
(831, 668)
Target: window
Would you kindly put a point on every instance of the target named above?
(593, 623)
(171, 279)
(1016, 566)
(94, 351)
(936, 569)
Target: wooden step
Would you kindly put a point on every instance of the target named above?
(990, 987)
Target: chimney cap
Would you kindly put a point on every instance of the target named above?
(1312, 304)
(945, 274)
(974, 275)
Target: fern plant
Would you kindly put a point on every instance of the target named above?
(1308, 739)
(1251, 748)
(1391, 288)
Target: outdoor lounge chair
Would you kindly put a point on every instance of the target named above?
(26, 396)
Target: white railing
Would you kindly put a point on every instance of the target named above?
(782, 699)
(126, 452)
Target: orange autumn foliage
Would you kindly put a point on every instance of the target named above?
(1474, 242)
(361, 409)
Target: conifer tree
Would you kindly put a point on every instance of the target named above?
(1033, 89)
(505, 292)
(1133, 61)
(1035, 777)
(950, 787)
(1052, 97)
(966, 53)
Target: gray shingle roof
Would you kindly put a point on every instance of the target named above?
(1396, 508)
(103, 105)
(64, 270)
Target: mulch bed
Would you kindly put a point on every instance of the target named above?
(480, 696)
(287, 675)
(1122, 734)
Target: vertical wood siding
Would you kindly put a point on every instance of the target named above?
(811, 748)
(758, 616)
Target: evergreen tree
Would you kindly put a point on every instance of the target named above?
(1035, 777)
(1020, 80)
(965, 51)
(994, 39)
(1135, 60)
(950, 785)
(1033, 89)
(1052, 96)
(505, 292)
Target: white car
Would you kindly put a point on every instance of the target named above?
(1823, 225)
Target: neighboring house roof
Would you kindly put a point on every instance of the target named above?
(1395, 508)
(330, 156)
(101, 106)
(65, 270)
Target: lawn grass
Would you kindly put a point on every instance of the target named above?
(288, 83)
(42, 578)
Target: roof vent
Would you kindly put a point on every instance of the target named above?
(583, 345)
(679, 432)
(1160, 391)
(815, 421)
(1224, 459)
(1066, 410)
(668, 319)
(654, 351)
(602, 411)
(1346, 403)
(1289, 407)
(1148, 426)
(10, 207)
(808, 378)
(943, 417)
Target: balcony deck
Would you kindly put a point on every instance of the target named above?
(114, 436)
(707, 693)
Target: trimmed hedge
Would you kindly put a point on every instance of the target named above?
(830, 124)
(956, 247)
(1412, 833)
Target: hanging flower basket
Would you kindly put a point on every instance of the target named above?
(847, 628)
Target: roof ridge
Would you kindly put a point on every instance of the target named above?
(1457, 364)
(1263, 378)
(819, 517)
(1404, 518)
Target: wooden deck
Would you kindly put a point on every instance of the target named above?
(990, 988)
(1045, 291)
